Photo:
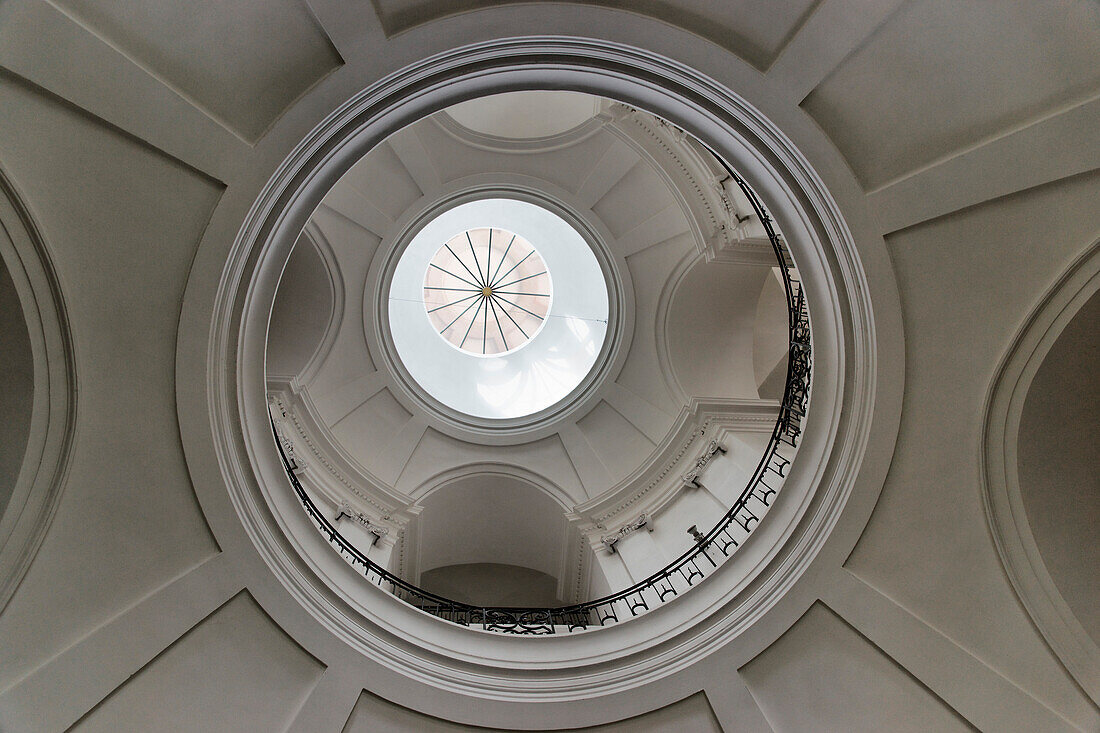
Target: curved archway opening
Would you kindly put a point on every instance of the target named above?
(491, 540)
(301, 314)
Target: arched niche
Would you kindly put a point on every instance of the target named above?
(302, 316)
(710, 327)
(769, 339)
(1059, 467)
(17, 376)
(491, 535)
(1039, 477)
(37, 411)
(526, 114)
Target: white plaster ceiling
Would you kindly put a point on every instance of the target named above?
(960, 143)
(647, 208)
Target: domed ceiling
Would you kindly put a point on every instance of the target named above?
(157, 569)
(646, 315)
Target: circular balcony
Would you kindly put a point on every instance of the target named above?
(677, 420)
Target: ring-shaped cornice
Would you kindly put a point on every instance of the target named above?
(674, 636)
(613, 351)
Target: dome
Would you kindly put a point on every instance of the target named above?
(587, 431)
(200, 217)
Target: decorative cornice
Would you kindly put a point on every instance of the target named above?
(692, 475)
(670, 140)
(629, 528)
(346, 510)
(756, 251)
(723, 222)
(666, 469)
(303, 433)
(280, 415)
(756, 416)
(283, 417)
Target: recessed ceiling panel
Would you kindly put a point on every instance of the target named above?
(892, 107)
(756, 30)
(822, 675)
(240, 62)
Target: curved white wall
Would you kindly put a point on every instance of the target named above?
(493, 584)
(491, 518)
(526, 115)
(710, 329)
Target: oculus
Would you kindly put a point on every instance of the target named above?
(480, 326)
(484, 304)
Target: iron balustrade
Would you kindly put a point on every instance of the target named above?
(679, 575)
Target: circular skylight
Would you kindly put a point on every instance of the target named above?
(487, 302)
(499, 339)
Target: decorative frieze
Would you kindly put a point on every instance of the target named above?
(609, 540)
(346, 510)
(279, 416)
(301, 430)
(691, 478)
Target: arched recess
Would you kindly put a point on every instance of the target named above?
(17, 376)
(1058, 464)
(709, 321)
(490, 516)
(48, 428)
(769, 352)
(530, 116)
(1022, 553)
(307, 309)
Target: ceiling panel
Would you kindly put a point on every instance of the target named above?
(941, 76)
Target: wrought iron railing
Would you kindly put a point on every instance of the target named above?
(704, 557)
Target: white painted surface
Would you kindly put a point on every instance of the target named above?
(524, 115)
(122, 221)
